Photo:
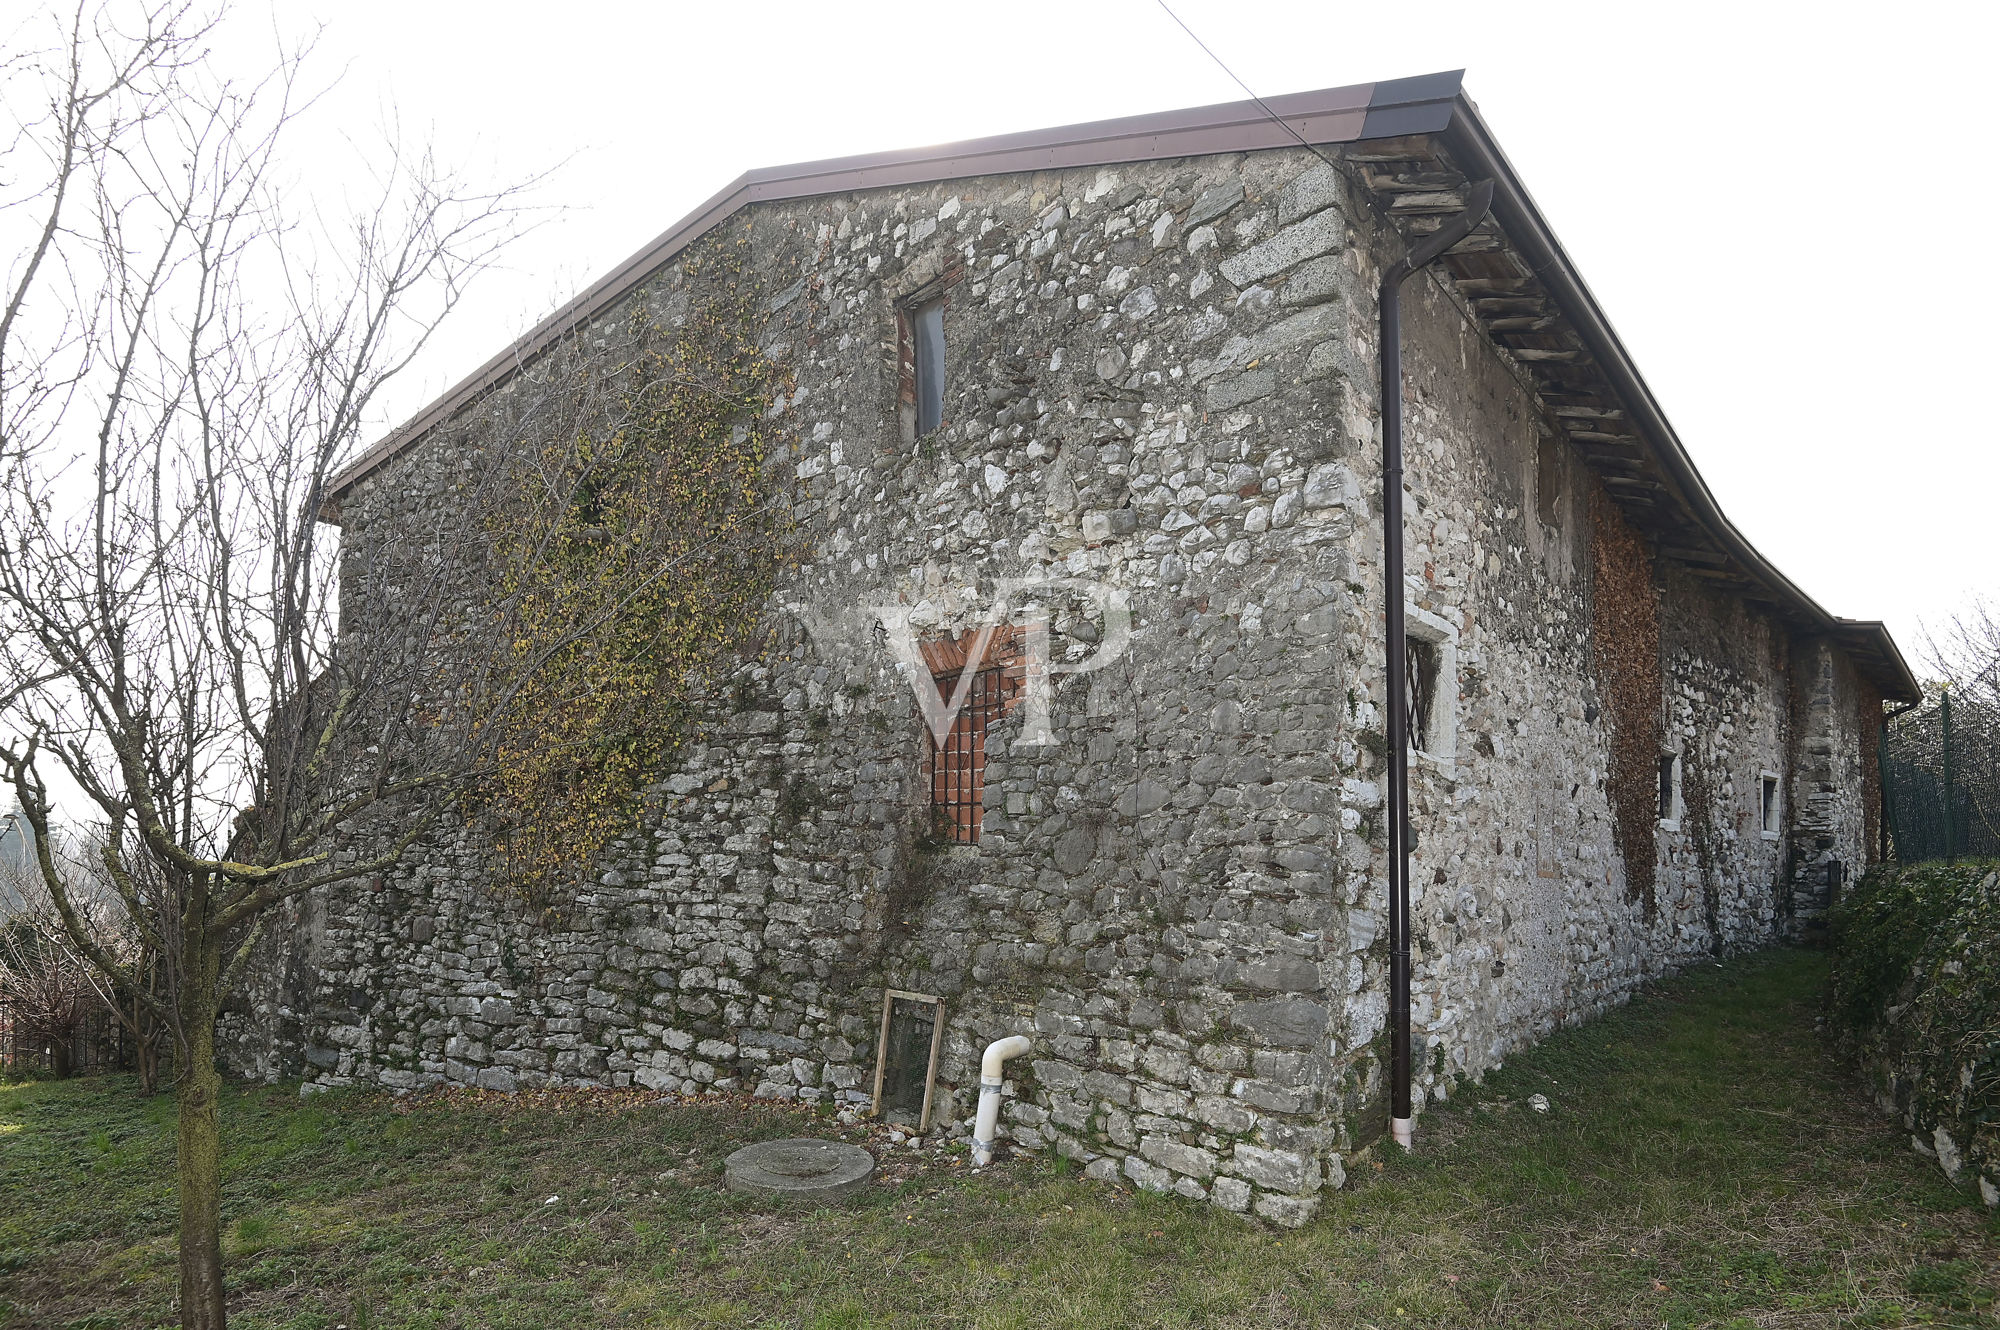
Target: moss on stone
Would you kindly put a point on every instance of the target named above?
(1915, 992)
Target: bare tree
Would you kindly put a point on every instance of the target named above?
(1941, 762)
(50, 986)
(1965, 656)
(42, 967)
(47, 987)
(184, 365)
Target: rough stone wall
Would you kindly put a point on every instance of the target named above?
(1524, 920)
(1726, 712)
(1160, 380)
(1836, 715)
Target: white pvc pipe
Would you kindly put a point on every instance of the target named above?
(990, 1079)
(1399, 1131)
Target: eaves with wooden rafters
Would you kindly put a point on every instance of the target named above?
(1516, 281)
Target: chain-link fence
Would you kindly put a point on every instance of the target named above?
(1941, 780)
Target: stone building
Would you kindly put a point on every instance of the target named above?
(1113, 388)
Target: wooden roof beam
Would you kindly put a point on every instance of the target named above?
(1707, 558)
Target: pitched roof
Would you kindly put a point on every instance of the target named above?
(1417, 142)
(1331, 115)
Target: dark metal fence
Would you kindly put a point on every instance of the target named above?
(99, 1044)
(1941, 781)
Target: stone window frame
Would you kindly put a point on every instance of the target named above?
(910, 366)
(1673, 802)
(1438, 746)
(1770, 805)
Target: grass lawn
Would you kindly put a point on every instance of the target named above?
(1704, 1164)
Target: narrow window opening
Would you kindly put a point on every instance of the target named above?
(1423, 661)
(1670, 789)
(1770, 805)
(927, 364)
(1549, 482)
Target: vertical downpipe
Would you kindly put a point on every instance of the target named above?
(1420, 255)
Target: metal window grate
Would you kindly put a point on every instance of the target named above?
(958, 766)
(1420, 659)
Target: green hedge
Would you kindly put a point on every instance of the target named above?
(1916, 995)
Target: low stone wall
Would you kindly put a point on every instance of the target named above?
(1916, 996)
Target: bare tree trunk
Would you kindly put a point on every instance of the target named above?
(200, 1161)
(146, 1056)
(141, 1022)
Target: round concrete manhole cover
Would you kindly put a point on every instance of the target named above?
(804, 1168)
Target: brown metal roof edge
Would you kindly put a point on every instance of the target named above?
(1328, 115)
(1874, 635)
(1477, 154)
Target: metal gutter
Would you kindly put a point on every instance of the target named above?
(1396, 666)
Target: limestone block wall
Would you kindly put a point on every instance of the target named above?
(1727, 715)
(1523, 916)
(1837, 714)
(1160, 382)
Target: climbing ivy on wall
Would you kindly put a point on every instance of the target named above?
(1698, 792)
(1625, 619)
(631, 564)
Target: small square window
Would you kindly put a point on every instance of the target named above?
(1769, 805)
(1670, 790)
(1430, 699)
(927, 364)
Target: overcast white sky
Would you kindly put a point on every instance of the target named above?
(1781, 207)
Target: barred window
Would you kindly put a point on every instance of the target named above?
(958, 766)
